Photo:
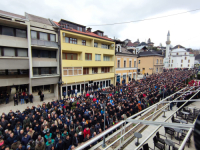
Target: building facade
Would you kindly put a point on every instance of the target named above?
(178, 57)
(125, 64)
(88, 58)
(150, 62)
(26, 55)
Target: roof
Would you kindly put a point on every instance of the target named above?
(72, 22)
(125, 51)
(178, 46)
(85, 33)
(38, 19)
(178, 50)
(143, 43)
(149, 53)
(130, 44)
(12, 14)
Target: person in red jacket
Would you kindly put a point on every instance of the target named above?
(87, 95)
(94, 99)
(86, 131)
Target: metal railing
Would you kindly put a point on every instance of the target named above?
(94, 139)
(163, 121)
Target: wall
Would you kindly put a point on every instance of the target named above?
(12, 41)
(145, 62)
(14, 63)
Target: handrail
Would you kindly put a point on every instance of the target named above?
(163, 121)
(94, 139)
(139, 123)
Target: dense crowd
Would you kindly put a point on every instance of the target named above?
(64, 124)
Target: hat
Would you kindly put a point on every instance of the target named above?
(28, 146)
(15, 141)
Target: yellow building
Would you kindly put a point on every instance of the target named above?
(126, 64)
(150, 62)
(87, 57)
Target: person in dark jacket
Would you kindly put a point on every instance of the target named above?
(21, 97)
(26, 98)
(75, 140)
(26, 139)
(31, 98)
(15, 98)
(42, 96)
(11, 139)
(60, 145)
(7, 98)
(67, 142)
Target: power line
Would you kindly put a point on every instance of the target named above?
(147, 19)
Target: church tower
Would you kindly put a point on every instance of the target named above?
(167, 46)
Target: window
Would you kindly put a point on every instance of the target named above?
(124, 63)
(169, 65)
(134, 64)
(188, 65)
(52, 37)
(139, 62)
(88, 56)
(181, 65)
(72, 71)
(161, 61)
(176, 53)
(69, 56)
(53, 70)
(157, 61)
(169, 61)
(181, 60)
(188, 61)
(8, 31)
(156, 69)
(44, 70)
(85, 71)
(129, 63)
(24, 71)
(22, 53)
(9, 52)
(94, 70)
(97, 57)
(172, 61)
(21, 33)
(73, 40)
(100, 34)
(106, 58)
(43, 36)
(105, 69)
(33, 34)
(118, 63)
(185, 58)
(104, 46)
(44, 53)
(95, 44)
(36, 71)
(80, 29)
(83, 42)
(12, 72)
(2, 72)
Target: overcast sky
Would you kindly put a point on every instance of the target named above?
(184, 29)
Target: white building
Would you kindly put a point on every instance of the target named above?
(177, 58)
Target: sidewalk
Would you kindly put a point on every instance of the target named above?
(10, 106)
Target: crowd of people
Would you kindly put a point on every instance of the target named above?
(64, 124)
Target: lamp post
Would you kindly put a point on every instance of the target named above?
(104, 96)
(60, 82)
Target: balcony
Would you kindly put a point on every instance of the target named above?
(86, 63)
(127, 68)
(87, 77)
(44, 62)
(11, 41)
(86, 49)
(14, 63)
(41, 43)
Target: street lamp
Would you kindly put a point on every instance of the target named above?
(104, 97)
(60, 82)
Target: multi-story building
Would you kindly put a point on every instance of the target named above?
(44, 56)
(150, 62)
(88, 58)
(14, 53)
(29, 55)
(126, 63)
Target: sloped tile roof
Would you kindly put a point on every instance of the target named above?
(85, 33)
(12, 14)
(149, 53)
(38, 19)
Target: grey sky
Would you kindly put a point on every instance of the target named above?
(184, 29)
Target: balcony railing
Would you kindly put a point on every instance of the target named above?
(44, 43)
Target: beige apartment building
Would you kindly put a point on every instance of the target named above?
(150, 62)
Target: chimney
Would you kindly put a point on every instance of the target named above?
(89, 29)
